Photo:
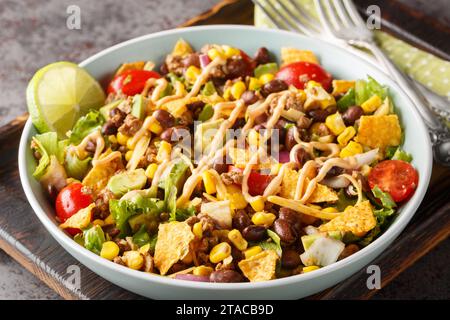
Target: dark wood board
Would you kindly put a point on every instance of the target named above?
(24, 238)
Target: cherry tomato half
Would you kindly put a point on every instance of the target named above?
(257, 182)
(131, 82)
(396, 177)
(69, 201)
(299, 73)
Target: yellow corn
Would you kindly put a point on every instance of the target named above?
(130, 144)
(144, 249)
(214, 53)
(253, 138)
(164, 151)
(254, 84)
(310, 268)
(312, 83)
(330, 210)
(202, 271)
(372, 104)
(192, 73)
(110, 250)
(342, 86)
(267, 77)
(155, 127)
(237, 200)
(237, 89)
(365, 170)
(197, 230)
(128, 155)
(151, 169)
(133, 259)
(208, 181)
(335, 123)
(346, 136)
(258, 204)
(351, 149)
(236, 238)
(122, 139)
(112, 138)
(220, 252)
(109, 220)
(98, 222)
(263, 218)
(227, 94)
(230, 51)
(253, 251)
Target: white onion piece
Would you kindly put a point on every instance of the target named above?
(309, 230)
(367, 157)
(336, 182)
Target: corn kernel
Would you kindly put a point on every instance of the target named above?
(237, 199)
(98, 222)
(109, 220)
(202, 271)
(310, 268)
(237, 89)
(109, 250)
(130, 144)
(265, 78)
(335, 123)
(253, 138)
(128, 155)
(151, 169)
(236, 238)
(372, 104)
(330, 210)
(112, 138)
(230, 51)
(312, 83)
(133, 259)
(254, 84)
(197, 230)
(220, 252)
(144, 249)
(215, 53)
(164, 151)
(351, 149)
(122, 139)
(253, 251)
(263, 218)
(192, 73)
(227, 94)
(258, 204)
(155, 127)
(365, 170)
(346, 136)
(208, 181)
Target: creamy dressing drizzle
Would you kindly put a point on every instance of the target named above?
(99, 145)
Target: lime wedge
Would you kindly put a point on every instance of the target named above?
(59, 93)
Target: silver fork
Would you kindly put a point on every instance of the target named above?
(346, 28)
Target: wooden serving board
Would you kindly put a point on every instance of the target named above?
(24, 238)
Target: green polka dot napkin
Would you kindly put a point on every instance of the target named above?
(426, 68)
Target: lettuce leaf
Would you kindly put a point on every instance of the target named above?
(172, 184)
(47, 145)
(400, 154)
(182, 214)
(75, 167)
(87, 124)
(384, 197)
(141, 237)
(347, 100)
(94, 238)
(364, 89)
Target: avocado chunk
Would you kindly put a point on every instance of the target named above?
(123, 182)
(138, 108)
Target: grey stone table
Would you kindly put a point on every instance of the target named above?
(34, 33)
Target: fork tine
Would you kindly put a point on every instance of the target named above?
(269, 15)
(331, 14)
(342, 13)
(287, 22)
(323, 18)
(307, 18)
(353, 13)
(300, 25)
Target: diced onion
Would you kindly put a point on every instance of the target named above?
(204, 60)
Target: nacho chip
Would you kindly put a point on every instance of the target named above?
(290, 55)
(379, 131)
(342, 86)
(358, 219)
(260, 267)
(79, 220)
(105, 167)
(172, 245)
(322, 193)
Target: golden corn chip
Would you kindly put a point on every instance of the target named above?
(172, 245)
(181, 48)
(136, 65)
(379, 131)
(323, 193)
(289, 184)
(342, 86)
(98, 177)
(260, 267)
(358, 219)
(79, 220)
(290, 55)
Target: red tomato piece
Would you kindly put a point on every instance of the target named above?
(131, 82)
(69, 201)
(299, 73)
(396, 177)
(257, 182)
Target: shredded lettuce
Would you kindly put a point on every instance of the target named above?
(344, 201)
(365, 89)
(384, 197)
(94, 238)
(209, 89)
(206, 113)
(271, 67)
(400, 154)
(75, 167)
(347, 100)
(172, 184)
(47, 145)
(87, 124)
(141, 237)
(182, 214)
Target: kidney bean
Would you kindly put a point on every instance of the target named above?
(254, 233)
(292, 217)
(249, 97)
(273, 86)
(289, 140)
(290, 259)
(237, 68)
(301, 156)
(262, 118)
(164, 118)
(220, 165)
(241, 220)
(262, 56)
(284, 230)
(191, 60)
(227, 276)
(348, 251)
(352, 114)
(318, 115)
(303, 122)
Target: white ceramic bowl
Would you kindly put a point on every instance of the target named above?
(338, 62)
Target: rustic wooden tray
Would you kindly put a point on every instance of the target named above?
(24, 238)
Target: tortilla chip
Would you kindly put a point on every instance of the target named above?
(172, 245)
(260, 267)
(379, 131)
(290, 55)
(98, 177)
(323, 193)
(358, 219)
(79, 220)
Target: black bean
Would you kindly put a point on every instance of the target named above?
(52, 191)
(352, 114)
(290, 259)
(318, 115)
(174, 134)
(348, 251)
(227, 276)
(262, 118)
(164, 69)
(165, 119)
(241, 220)
(294, 218)
(191, 60)
(262, 56)
(237, 68)
(334, 171)
(109, 128)
(284, 230)
(289, 140)
(117, 111)
(301, 156)
(273, 86)
(254, 233)
(220, 165)
(303, 122)
(249, 97)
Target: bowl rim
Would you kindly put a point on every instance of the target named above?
(389, 235)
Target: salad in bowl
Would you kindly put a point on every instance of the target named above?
(218, 166)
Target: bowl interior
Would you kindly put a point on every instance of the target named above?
(338, 62)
